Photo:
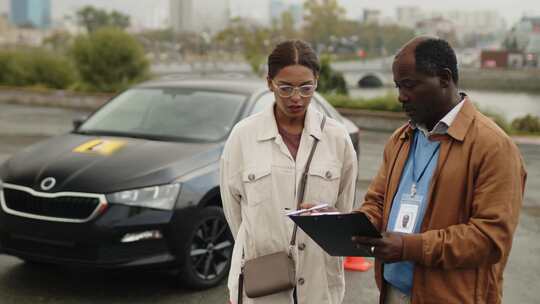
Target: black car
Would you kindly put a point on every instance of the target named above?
(136, 183)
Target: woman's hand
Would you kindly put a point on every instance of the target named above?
(311, 205)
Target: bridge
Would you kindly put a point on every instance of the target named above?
(369, 73)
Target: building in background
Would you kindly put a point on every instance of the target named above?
(477, 28)
(4, 7)
(481, 28)
(437, 26)
(278, 7)
(12, 36)
(480, 21)
(297, 11)
(521, 34)
(525, 37)
(31, 13)
(4, 28)
(199, 16)
(501, 59)
(520, 48)
(372, 16)
(408, 16)
(252, 12)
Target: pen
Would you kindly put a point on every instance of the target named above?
(321, 206)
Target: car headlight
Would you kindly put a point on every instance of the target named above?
(158, 197)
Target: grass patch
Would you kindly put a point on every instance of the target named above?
(528, 125)
(386, 102)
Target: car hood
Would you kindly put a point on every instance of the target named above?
(100, 164)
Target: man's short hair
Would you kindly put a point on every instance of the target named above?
(433, 55)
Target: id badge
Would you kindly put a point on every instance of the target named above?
(408, 213)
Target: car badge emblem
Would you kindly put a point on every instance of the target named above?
(48, 183)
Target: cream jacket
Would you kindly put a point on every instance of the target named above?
(259, 183)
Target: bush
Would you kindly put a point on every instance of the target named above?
(12, 69)
(496, 117)
(53, 71)
(331, 81)
(109, 60)
(34, 68)
(528, 123)
(499, 120)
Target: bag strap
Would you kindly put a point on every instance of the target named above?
(240, 288)
(303, 181)
(301, 192)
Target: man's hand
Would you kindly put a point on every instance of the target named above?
(389, 248)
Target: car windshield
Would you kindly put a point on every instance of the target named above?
(177, 114)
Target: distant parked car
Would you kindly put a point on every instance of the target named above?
(135, 184)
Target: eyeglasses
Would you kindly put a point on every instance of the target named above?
(287, 91)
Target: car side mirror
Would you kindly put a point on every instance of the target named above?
(78, 121)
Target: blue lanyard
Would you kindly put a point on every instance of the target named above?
(416, 180)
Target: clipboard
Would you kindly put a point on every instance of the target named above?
(333, 232)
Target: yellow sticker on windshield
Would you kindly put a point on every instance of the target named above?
(100, 146)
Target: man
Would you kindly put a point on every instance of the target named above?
(456, 175)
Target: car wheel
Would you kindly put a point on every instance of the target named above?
(208, 250)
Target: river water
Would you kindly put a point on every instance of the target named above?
(509, 104)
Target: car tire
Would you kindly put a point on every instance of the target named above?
(207, 250)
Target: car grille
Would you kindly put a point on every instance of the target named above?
(67, 207)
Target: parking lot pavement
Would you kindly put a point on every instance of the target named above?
(23, 283)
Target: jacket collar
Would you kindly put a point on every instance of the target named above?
(268, 128)
(463, 120)
(460, 125)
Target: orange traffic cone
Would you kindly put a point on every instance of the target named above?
(357, 264)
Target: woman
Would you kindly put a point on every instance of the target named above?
(261, 169)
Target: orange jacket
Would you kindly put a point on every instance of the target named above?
(473, 207)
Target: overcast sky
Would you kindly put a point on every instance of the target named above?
(149, 11)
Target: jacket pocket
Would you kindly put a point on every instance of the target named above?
(257, 184)
(323, 182)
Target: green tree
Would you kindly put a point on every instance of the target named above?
(286, 27)
(330, 81)
(161, 35)
(323, 19)
(93, 18)
(117, 19)
(381, 40)
(109, 60)
(58, 41)
(257, 46)
(254, 42)
(510, 43)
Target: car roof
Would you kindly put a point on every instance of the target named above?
(223, 83)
